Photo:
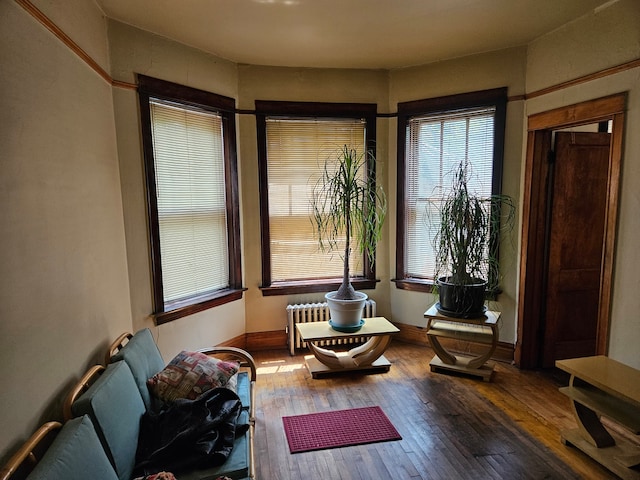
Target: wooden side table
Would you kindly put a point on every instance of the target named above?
(478, 330)
(600, 386)
(368, 356)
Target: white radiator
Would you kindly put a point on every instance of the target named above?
(319, 312)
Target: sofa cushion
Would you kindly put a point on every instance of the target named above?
(189, 375)
(114, 404)
(75, 454)
(243, 389)
(144, 360)
(236, 466)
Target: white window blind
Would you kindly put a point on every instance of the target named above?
(436, 144)
(296, 152)
(190, 182)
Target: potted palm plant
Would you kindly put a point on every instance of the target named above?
(466, 245)
(348, 208)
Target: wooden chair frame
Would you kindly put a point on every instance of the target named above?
(26, 453)
(79, 388)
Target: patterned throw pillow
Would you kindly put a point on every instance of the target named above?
(189, 375)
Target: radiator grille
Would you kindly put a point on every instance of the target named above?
(319, 312)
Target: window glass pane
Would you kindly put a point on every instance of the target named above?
(296, 152)
(190, 186)
(435, 146)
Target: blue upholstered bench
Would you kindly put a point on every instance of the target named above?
(100, 438)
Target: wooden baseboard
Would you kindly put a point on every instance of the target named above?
(272, 340)
(239, 342)
(277, 339)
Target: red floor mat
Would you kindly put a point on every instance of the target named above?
(339, 428)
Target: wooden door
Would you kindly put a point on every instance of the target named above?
(534, 254)
(579, 192)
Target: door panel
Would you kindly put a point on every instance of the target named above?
(576, 245)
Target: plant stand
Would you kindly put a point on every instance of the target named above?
(483, 330)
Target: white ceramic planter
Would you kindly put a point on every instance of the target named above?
(346, 314)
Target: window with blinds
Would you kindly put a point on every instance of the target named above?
(190, 187)
(434, 136)
(436, 144)
(188, 136)
(296, 153)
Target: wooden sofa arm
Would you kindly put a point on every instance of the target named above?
(117, 344)
(246, 360)
(79, 388)
(26, 451)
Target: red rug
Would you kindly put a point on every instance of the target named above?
(339, 428)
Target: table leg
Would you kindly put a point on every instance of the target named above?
(442, 353)
(589, 423)
(482, 359)
(450, 359)
(361, 356)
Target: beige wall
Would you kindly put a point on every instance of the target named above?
(505, 68)
(63, 282)
(599, 40)
(75, 260)
(592, 43)
(264, 83)
(134, 51)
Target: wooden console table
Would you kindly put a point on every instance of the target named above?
(600, 386)
(368, 356)
(479, 330)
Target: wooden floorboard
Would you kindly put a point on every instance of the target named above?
(452, 427)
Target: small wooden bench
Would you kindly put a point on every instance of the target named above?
(600, 386)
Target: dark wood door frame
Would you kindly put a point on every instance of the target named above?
(534, 219)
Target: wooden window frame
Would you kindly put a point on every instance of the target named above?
(264, 109)
(497, 98)
(149, 88)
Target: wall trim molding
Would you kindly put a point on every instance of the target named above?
(74, 47)
(63, 37)
(239, 342)
(585, 78)
(278, 339)
(271, 340)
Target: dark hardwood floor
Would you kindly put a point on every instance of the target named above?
(452, 427)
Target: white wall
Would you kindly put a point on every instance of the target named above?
(74, 249)
(63, 283)
(597, 41)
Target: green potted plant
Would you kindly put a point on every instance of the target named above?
(348, 208)
(466, 245)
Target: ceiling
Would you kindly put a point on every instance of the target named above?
(384, 34)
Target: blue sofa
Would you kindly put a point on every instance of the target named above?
(104, 412)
